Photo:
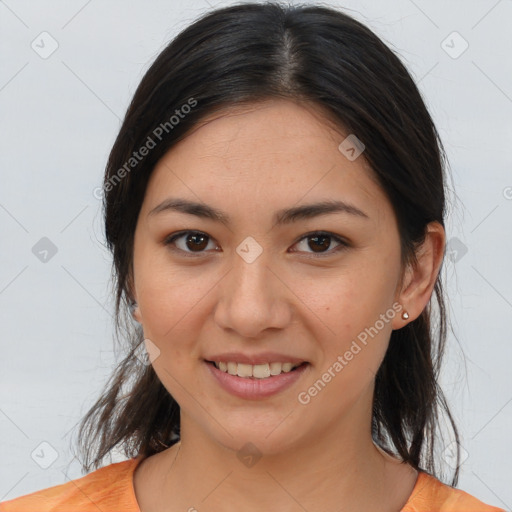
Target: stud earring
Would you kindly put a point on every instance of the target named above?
(405, 315)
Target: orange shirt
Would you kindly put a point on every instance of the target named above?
(110, 489)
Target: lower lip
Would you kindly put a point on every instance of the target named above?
(250, 388)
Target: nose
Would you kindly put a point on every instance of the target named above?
(253, 297)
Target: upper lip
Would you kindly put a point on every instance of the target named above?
(261, 358)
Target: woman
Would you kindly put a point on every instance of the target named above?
(275, 206)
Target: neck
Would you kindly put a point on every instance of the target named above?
(342, 466)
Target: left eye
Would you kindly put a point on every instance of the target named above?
(323, 240)
(196, 242)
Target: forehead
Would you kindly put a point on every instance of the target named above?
(277, 151)
(281, 125)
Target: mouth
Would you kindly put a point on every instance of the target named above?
(256, 381)
(256, 371)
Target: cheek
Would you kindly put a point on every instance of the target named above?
(352, 355)
(357, 310)
(352, 302)
(167, 304)
(172, 301)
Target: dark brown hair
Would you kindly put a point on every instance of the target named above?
(311, 54)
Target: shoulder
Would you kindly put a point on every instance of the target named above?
(431, 494)
(109, 488)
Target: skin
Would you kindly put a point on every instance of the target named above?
(250, 162)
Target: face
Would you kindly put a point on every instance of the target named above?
(253, 277)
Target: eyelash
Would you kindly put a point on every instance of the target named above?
(343, 244)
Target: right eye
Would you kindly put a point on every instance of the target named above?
(188, 242)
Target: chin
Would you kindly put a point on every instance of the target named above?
(271, 437)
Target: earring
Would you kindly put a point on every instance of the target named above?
(405, 315)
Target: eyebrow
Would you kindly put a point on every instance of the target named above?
(284, 216)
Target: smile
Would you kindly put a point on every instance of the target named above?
(256, 381)
(256, 371)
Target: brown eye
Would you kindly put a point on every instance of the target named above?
(196, 241)
(319, 242)
(188, 241)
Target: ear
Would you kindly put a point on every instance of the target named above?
(420, 279)
(136, 312)
(134, 307)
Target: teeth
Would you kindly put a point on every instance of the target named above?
(287, 367)
(244, 370)
(261, 371)
(275, 368)
(258, 371)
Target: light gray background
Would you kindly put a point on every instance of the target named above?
(59, 118)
